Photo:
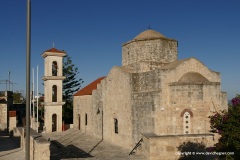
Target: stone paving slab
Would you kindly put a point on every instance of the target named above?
(76, 145)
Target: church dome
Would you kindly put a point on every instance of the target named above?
(149, 34)
(193, 77)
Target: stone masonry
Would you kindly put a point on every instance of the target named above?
(152, 93)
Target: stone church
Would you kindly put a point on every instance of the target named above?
(153, 99)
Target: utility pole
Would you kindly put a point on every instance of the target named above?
(33, 97)
(37, 99)
(28, 58)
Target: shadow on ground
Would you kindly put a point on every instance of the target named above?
(58, 151)
(8, 143)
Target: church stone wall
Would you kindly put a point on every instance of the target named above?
(143, 66)
(169, 147)
(97, 111)
(117, 106)
(76, 111)
(176, 97)
(224, 101)
(195, 98)
(145, 90)
(143, 114)
(82, 108)
(146, 82)
(212, 90)
(161, 50)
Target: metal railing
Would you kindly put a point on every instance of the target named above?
(137, 145)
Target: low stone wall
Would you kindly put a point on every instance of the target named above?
(171, 147)
(3, 117)
(39, 146)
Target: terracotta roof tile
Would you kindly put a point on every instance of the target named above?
(89, 88)
(54, 50)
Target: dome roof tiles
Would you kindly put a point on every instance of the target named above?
(149, 34)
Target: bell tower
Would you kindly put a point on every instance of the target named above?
(53, 77)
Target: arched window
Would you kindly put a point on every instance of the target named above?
(115, 125)
(54, 93)
(54, 68)
(186, 123)
(54, 122)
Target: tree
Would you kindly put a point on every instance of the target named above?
(227, 125)
(17, 97)
(70, 85)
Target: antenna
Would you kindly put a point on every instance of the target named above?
(149, 27)
(53, 44)
(9, 80)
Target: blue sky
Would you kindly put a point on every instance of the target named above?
(93, 31)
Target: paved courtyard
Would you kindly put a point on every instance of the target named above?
(69, 145)
(74, 144)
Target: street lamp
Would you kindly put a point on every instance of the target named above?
(28, 56)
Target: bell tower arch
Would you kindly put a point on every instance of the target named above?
(53, 77)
